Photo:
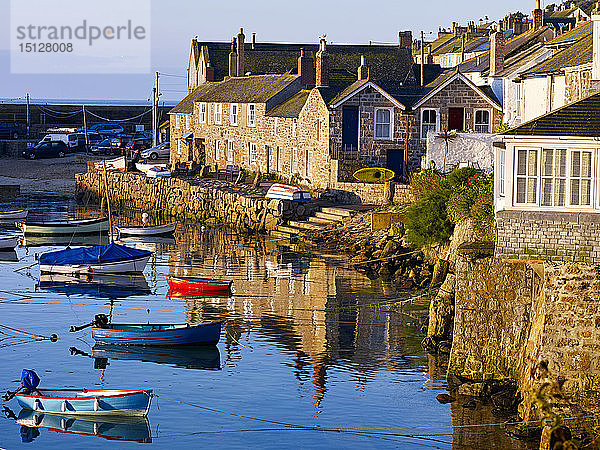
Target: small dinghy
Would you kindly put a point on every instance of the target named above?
(158, 230)
(68, 227)
(9, 242)
(158, 172)
(152, 334)
(110, 258)
(13, 215)
(86, 402)
(285, 192)
(180, 286)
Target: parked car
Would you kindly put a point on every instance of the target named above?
(10, 129)
(105, 129)
(77, 140)
(139, 144)
(46, 149)
(102, 147)
(118, 143)
(64, 137)
(160, 151)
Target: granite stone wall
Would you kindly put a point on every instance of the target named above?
(184, 201)
(555, 236)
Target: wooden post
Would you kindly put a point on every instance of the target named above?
(85, 131)
(107, 202)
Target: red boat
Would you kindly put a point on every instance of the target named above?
(204, 287)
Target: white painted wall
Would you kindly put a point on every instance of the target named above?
(466, 148)
(535, 97)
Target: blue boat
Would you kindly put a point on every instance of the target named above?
(110, 258)
(207, 333)
(102, 402)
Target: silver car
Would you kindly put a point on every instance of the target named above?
(160, 151)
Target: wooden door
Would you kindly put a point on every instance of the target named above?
(456, 119)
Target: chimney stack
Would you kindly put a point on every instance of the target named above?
(232, 60)
(306, 70)
(497, 51)
(322, 78)
(240, 53)
(538, 16)
(462, 48)
(405, 39)
(253, 39)
(363, 70)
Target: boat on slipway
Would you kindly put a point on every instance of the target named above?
(157, 230)
(110, 258)
(13, 215)
(285, 192)
(68, 227)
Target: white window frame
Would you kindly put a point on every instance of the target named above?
(230, 150)
(554, 177)
(569, 178)
(276, 127)
(294, 164)
(203, 114)
(294, 127)
(437, 121)
(502, 171)
(527, 176)
(279, 159)
(489, 125)
(234, 116)
(390, 135)
(178, 121)
(187, 122)
(218, 113)
(217, 147)
(252, 152)
(251, 115)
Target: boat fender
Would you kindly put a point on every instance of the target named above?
(96, 405)
(90, 270)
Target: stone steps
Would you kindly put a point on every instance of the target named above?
(314, 219)
(330, 217)
(337, 211)
(310, 226)
(288, 231)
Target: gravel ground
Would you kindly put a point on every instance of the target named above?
(47, 175)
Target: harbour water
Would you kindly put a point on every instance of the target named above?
(313, 354)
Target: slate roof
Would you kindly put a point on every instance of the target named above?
(581, 52)
(290, 107)
(386, 62)
(574, 35)
(579, 119)
(252, 89)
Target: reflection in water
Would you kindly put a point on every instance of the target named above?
(66, 241)
(96, 285)
(188, 357)
(114, 428)
(9, 256)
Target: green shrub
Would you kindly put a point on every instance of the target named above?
(427, 221)
(460, 177)
(424, 182)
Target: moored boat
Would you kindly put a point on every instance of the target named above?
(198, 286)
(207, 333)
(69, 227)
(158, 172)
(96, 402)
(110, 258)
(13, 215)
(157, 230)
(9, 242)
(145, 167)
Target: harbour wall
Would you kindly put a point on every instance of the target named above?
(187, 201)
(533, 323)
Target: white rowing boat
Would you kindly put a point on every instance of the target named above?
(285, 192)
(158, 230)
(13, 215)
(158, 172)
(69, 227)
(117, 164)
(8, 242)
(145, 167)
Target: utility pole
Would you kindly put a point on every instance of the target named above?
(422, 59)
(155, 97)
(28, 115)
(85, 129)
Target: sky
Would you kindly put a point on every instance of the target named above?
(175, 22)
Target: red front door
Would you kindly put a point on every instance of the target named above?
(456, 119)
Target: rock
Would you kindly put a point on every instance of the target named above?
(390, 248)
(471, 404)
(407, 284)
(444, 399)
(439, 271)
(472, 389)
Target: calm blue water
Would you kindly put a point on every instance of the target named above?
(307, 343)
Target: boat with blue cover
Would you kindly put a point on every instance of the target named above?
(207, 333)
(110, 258)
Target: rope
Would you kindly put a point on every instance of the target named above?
(118, 120)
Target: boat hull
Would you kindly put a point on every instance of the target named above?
(203, 334)
(69, 402)
(198, 287)
(13, 215)
(128, 266)
(148, 231)
(8, 243)
(65, 228)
